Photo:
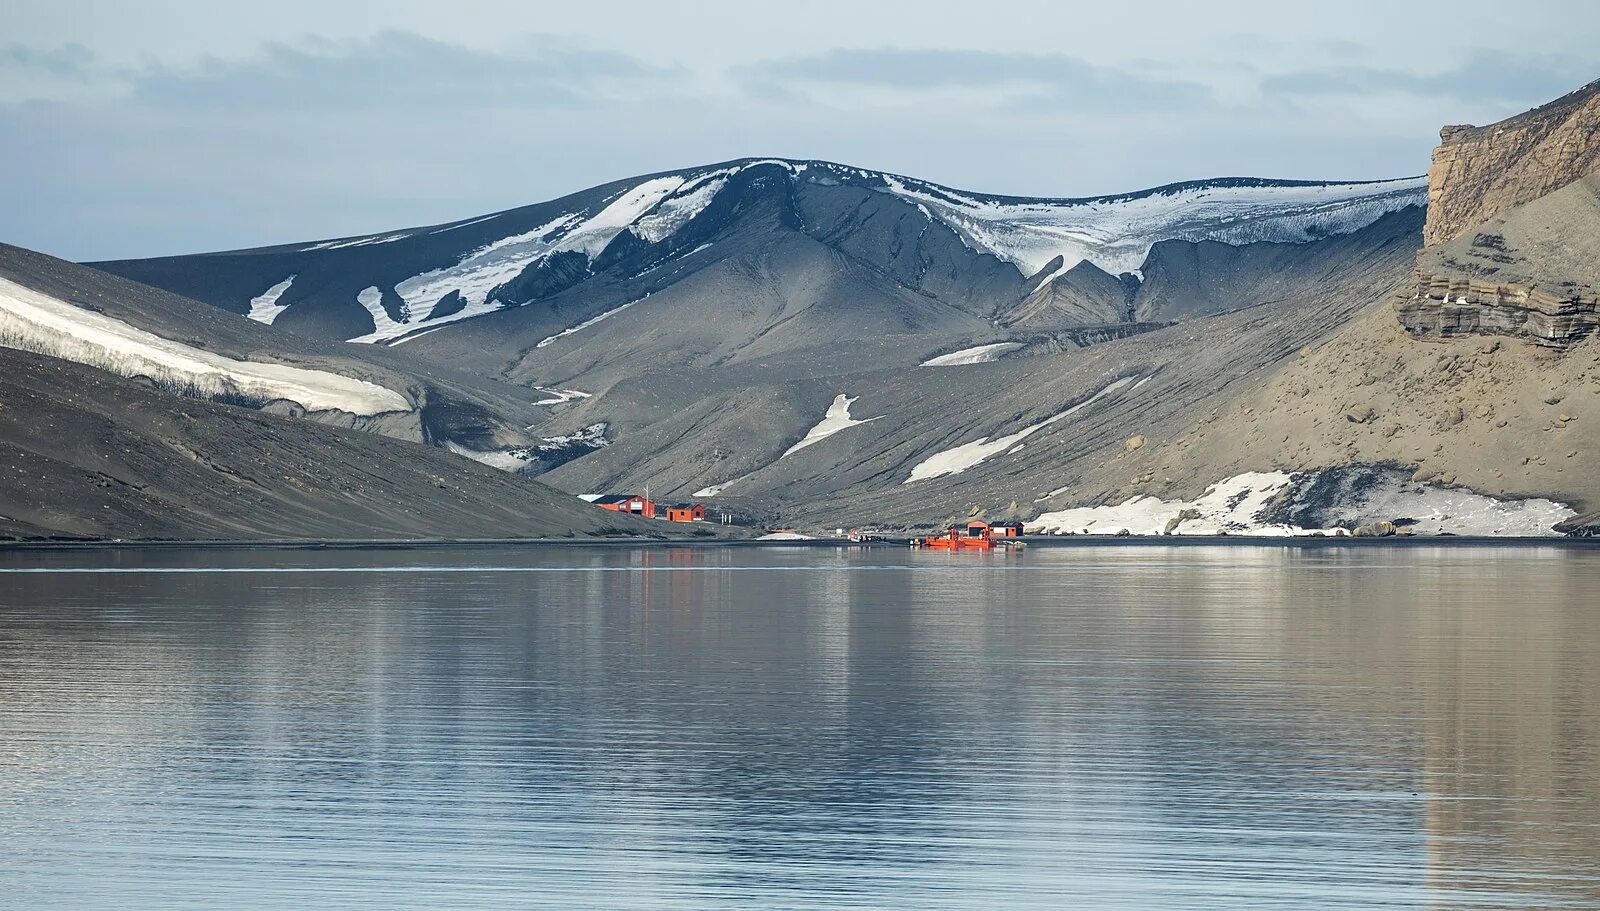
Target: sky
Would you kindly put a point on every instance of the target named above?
(173, 127)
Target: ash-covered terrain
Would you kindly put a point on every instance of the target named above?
(129, 412)
(813, 345)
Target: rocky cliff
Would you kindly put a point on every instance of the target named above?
(1480, 172)
(1451, 305)
(1514, 255)
(1531, 272)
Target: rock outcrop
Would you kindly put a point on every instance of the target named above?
(1584, 526)
(1453, 305)
(1531, 272)
(1480, 172)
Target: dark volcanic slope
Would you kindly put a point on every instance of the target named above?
(550, 267)
(704, 320)
(1186, 280)
(446, 404)
(1084, 295)
(728, 428)
(87, 454)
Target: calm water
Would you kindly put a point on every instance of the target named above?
(1108, 727)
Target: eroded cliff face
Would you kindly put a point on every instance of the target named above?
(1513, 229)
(1480, 172)
(1452, 305)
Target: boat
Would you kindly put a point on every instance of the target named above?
(975, 535)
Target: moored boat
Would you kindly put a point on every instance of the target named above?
(975, 535)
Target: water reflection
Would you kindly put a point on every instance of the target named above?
(689, 728)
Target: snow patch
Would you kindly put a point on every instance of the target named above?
(367, 241)
(592, 236)
(383, 325)
(960, 458)
(546, 453)
(1238, 506)
(712, 491)
(785, 536)
(474, 276)
(1116, 232)
(981, 354)
(587, 323)
(836, 418)
(264, 307)
(678, 210)
(591, 437)
(503, 459)
(560, 396)
(1355, 495)
(1230, 506)
(33, 321)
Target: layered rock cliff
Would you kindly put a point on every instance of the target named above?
(1504, 401)
(1480, 172)
(1531, 272)
(1447, 305)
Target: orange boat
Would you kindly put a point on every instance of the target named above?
(973, 536)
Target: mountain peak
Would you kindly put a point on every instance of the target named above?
(391, 286)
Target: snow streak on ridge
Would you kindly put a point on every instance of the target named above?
(33, 321)
(264, 307)
(968, 455)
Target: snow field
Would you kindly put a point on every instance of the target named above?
(836, 418)
(979, 354)
(33, 321)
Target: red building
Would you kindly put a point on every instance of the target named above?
(630, 503)
(686, 512)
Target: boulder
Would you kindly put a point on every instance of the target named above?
(1179, 519)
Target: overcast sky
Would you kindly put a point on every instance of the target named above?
(165, 127)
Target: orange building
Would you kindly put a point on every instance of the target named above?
(686, 512)
(630, 503)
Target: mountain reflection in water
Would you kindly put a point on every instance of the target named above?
(1197, 727)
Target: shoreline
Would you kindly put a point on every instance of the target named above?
(1044, 541)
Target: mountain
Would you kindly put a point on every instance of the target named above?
(698, 327)
(1012, 437)
(820, 281)
(816, 250)
(126, 412)
(815, 344)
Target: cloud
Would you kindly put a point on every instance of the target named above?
(1033, 77)
(399, 69)
(389, 69)
(71, 61)
(317, 137)
(295, 140)
(1482, 77)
